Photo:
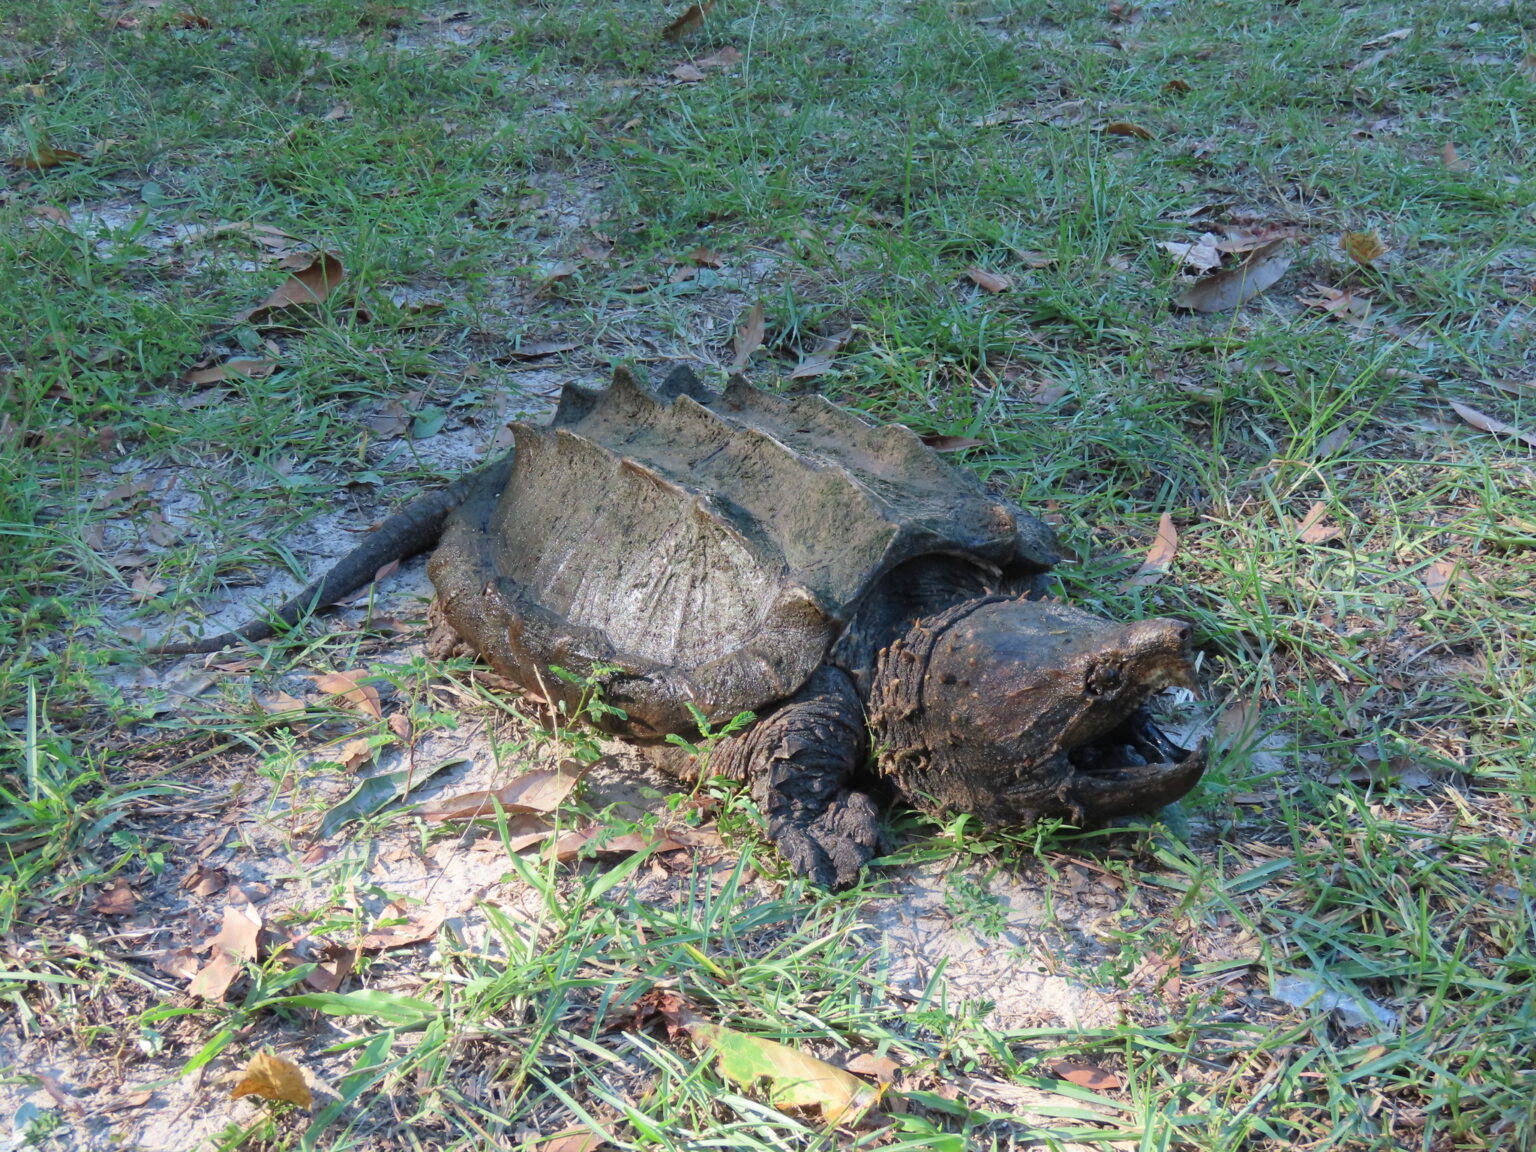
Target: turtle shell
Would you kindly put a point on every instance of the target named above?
(692, 548)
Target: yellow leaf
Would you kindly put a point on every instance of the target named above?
(1363, 247)
(273, 1078)
(795, 1079)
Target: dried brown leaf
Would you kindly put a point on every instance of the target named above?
(706, 257)
(333, 966)
(1525, 389)
(572, 1140)
(314, 277)
(1492, 424)
(881, 1068)
(251, 369)
(1231, 287)
(749, 338)
(282, 702)
(1126, 128)
(534, 349)
(1439, 579)
(1237, 724)
(44, 156)
(1159, 556)
(724, 58)
(1363, 247)
(1177, 87)
(363, 697)
(116, 899)
(991, 281)
(795, 1080)
(1203, 254)
(1312, 530)
(1340, 303)
(690, 21)
(540, 791)
(236, 943)
(1089, 1076)
(202, 879)
(420, 924)
(143, 588)
(355, 753)
(273, 1078)
(941, 443)
(820, 359)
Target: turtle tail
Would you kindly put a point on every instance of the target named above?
(413, 529)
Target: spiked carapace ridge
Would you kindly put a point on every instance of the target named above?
(744, 551)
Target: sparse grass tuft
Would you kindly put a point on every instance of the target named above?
(1329, 946)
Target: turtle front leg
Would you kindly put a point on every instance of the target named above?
(798, 761)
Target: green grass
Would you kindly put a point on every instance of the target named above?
(848, 170)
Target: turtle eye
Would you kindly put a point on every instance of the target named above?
(1102, 678)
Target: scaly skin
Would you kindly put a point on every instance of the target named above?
(413, 529)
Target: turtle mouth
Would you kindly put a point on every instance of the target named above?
(1134, 768)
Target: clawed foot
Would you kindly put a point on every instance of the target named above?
(833, 848)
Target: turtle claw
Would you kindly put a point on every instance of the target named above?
(832, 849)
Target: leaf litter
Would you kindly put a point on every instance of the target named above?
(1231, 287)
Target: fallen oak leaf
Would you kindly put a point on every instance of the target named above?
(421, 924)
(795, 1079)
(1089, 1076)
(144, 588)
(1159, 556)
(534, 349)
(941, 443)
(1231, 287)
(572, 1140)
(249, 369)
(749, 337)
(273, 1078)
(1126, 128)
(1492, 424)
(44, 156)
(363, 697)
(312, 279)
(1363, 247)
(820, 359)
(691, 20)
(1203, 254)
(1340, 303)
(724, 58)
(882, 1068)
(1439, 578)
(116, 899)
(236, 943)
(1312, 530)
(541, 792)
(355, 753)
(991, 281)
(334, 965)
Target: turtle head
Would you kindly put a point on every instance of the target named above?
(1018, 709)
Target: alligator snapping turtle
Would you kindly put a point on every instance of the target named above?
(742, 551)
